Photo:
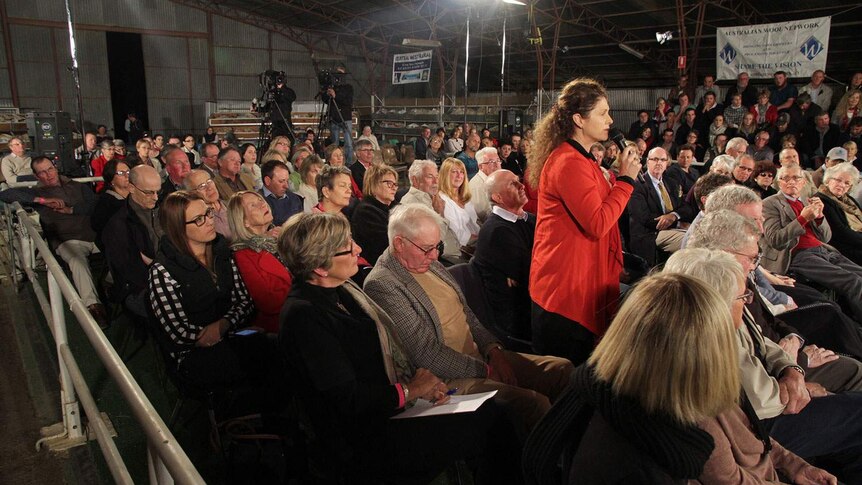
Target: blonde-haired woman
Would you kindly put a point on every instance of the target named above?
(459, 210)
(256, 255)
(577, 254)
(631, 412)
(849, 107)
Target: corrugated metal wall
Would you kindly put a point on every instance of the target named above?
(5, 84)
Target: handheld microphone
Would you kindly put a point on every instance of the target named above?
(618, 138)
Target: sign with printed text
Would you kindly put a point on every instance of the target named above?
(411, 68)
(797, 48)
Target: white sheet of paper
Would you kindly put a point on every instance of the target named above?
(457, 404)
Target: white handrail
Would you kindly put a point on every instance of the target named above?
(161, 442)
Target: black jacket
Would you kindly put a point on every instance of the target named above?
(604, 438)
(125, 239)
(369, 223)
(844, 239)
(644, 206)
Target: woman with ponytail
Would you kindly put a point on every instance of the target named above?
(577, 254)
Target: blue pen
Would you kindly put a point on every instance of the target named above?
(452, 391)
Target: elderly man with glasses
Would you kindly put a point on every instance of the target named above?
(440, 332)
(795, 240)
(64, 208)
(131, 239)
(657, 212)
(788, 388)
(489, 162)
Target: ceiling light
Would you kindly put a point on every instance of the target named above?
(515, 2)
(662, 37)
(639, 55)
(421, 42)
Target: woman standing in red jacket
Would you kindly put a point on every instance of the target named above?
(577, 254)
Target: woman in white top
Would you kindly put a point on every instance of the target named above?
(367, 135)
(455, 143)
(311, 166)
(459, 210)
(248, 155)
(189, 148)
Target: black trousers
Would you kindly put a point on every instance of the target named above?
(416, 450)
(554, 334)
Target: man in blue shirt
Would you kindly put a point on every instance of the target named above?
(283, 202)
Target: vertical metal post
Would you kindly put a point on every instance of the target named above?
(71, 412)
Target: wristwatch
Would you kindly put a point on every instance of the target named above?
(406, 393)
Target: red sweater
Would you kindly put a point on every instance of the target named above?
(807, 240)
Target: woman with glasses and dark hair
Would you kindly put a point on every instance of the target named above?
(200, 301)
(113, 196)
(354, 375)
(188, 147)
(371, 217)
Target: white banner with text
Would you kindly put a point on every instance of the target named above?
(797, 48)
(411, 68)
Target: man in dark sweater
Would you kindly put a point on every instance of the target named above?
(64, 208)
(503, 254)
(132, 238)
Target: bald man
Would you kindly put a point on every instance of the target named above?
(131, 239)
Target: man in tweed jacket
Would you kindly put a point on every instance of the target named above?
(441, 333)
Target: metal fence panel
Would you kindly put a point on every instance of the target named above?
(199, 53)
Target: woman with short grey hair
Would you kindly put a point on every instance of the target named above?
(842, 211)
(354, 375)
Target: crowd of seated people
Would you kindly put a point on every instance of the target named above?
(746, 197)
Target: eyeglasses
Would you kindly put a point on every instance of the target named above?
(148, 193)
(123, 173)
(204, 185)
(791, 178)
(656, 159)
(189, 140)
(202, 219)
(747, 297)
(283, 143)
(345, 253)
(389, 184)
(365, 150)
(491, 162)
(755, 260)
(438, 247)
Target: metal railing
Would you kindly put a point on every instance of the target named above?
(166, 460)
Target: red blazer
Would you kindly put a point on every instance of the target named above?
(268, 283)
(98, 166)
(771, 113)
(577, 253)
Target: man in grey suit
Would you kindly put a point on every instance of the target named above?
(440, 332)
(795, 237)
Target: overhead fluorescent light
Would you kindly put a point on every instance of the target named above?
(421, 42)
(639, 55)
(515, 2)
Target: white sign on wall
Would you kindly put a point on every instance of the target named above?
(797, 48)
(411, 68)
